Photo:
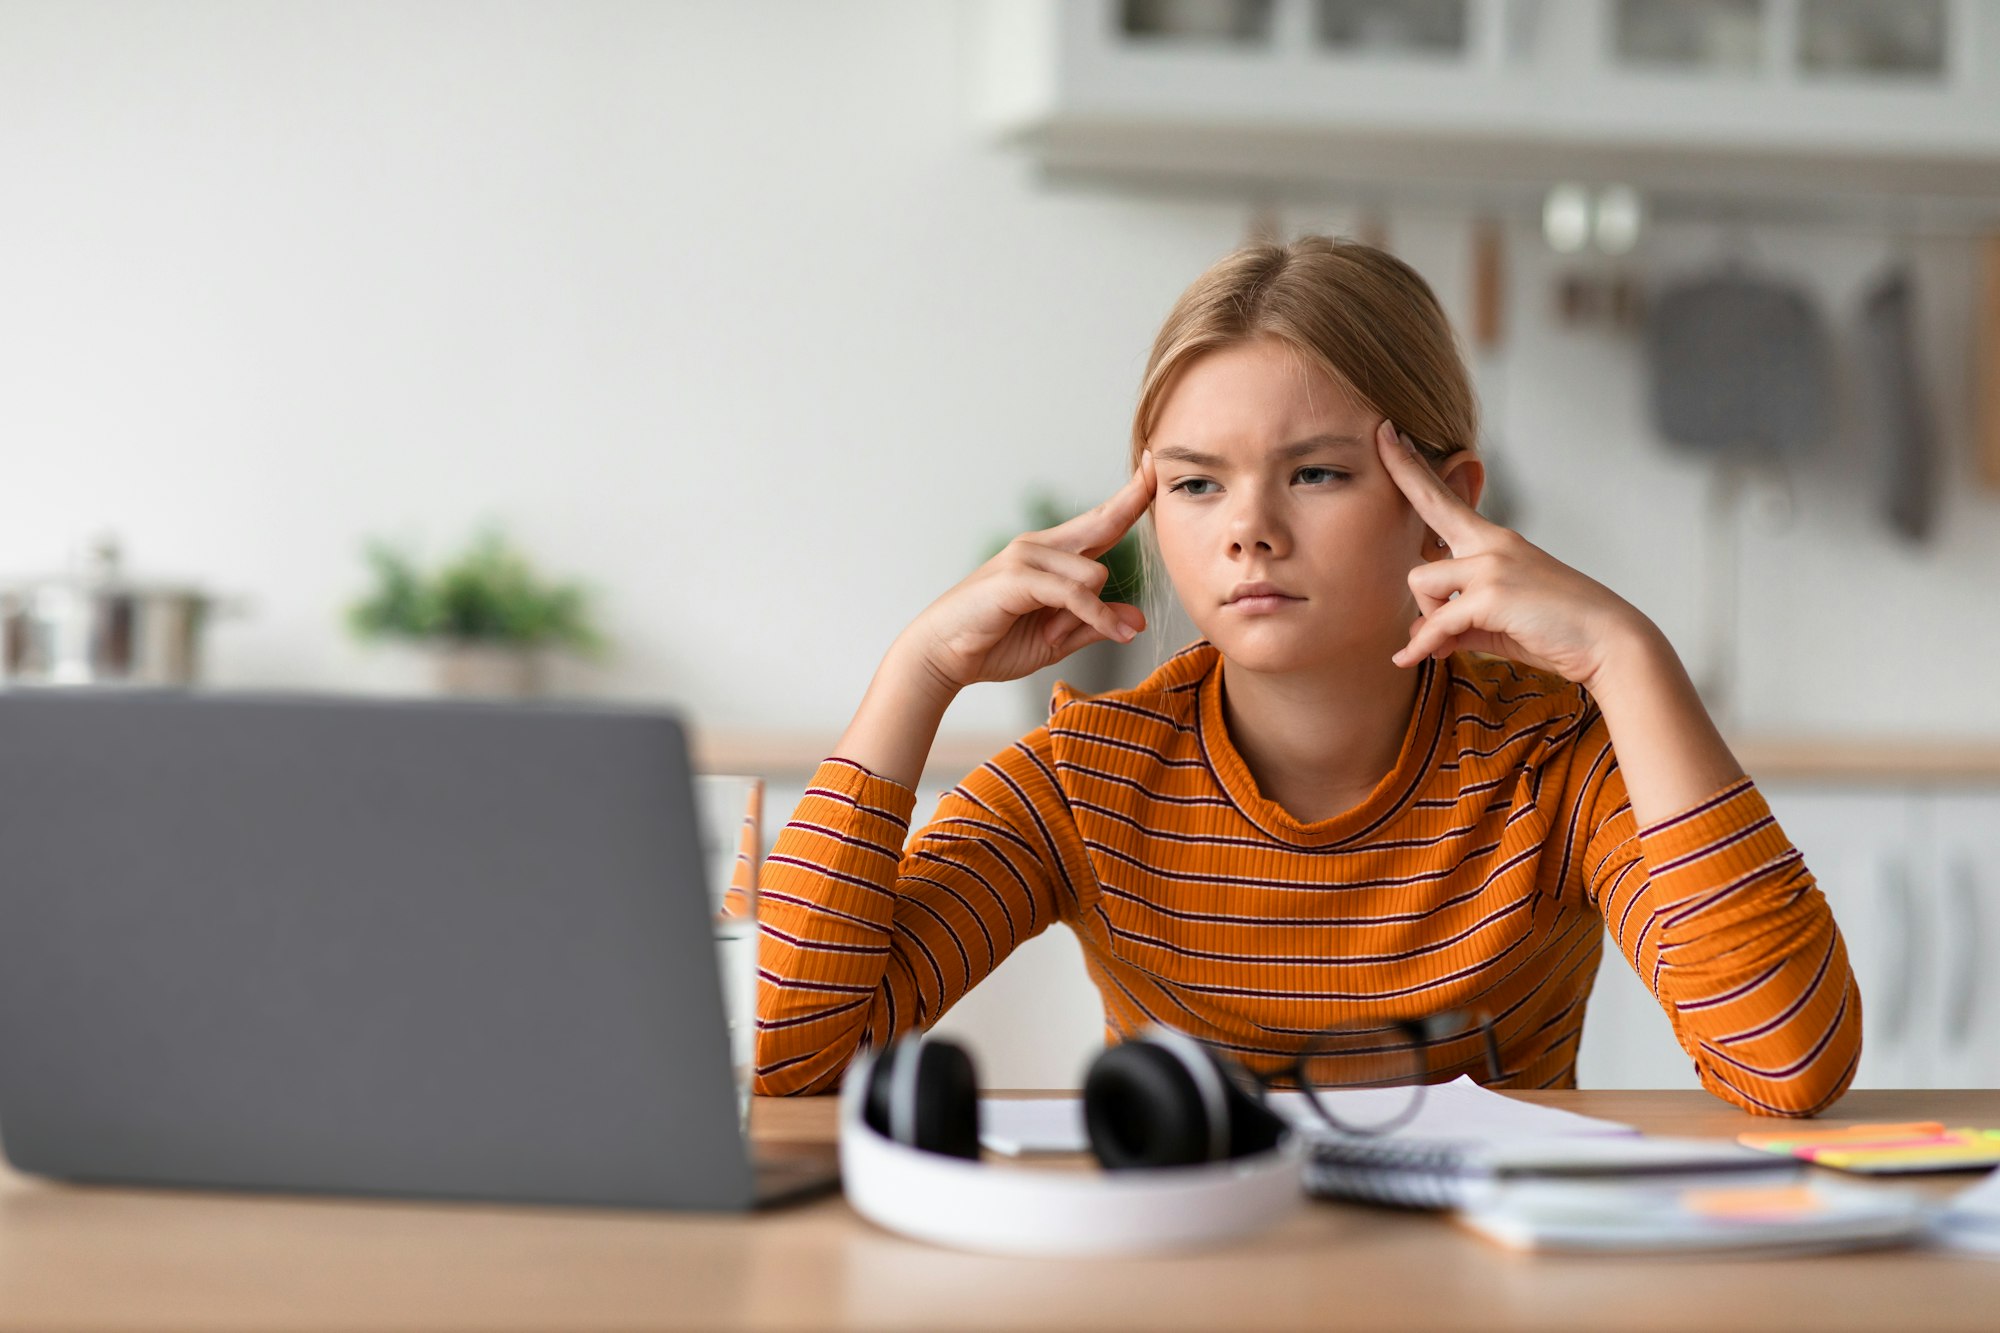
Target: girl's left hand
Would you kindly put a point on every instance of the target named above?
(1500, 593)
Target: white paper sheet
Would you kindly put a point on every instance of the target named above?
(1016, 1125)
(1460, 1109)
(1971, 1219)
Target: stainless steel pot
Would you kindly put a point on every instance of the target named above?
(98, 627)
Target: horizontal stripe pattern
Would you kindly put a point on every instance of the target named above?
(1484, 872)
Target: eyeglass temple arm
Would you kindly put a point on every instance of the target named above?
(1452, 1021)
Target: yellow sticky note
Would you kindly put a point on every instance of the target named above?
(1968, 1153)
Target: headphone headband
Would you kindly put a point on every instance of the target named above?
(904, 1057)
(1012, 1209)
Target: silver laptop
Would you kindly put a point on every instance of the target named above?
(433, 949)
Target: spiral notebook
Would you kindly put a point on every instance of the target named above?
(1465, 1139)
(1420, 1173)
(1462, 1138)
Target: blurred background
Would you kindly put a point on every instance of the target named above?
(683, 352)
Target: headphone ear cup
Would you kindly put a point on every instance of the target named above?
(947, 1101)
(875, 1097)
(945, 1089)
(1253, 1126)
(1141, 1108)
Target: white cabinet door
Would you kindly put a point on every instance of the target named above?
(1965, 873)
(1627, 1042)
(1856, 842)
(1862, 845)
(1913, 878)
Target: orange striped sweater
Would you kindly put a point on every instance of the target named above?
(1479, 874)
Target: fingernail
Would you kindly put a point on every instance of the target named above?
(1125, 633)
(1145, 457)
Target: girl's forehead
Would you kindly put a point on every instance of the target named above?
(1252, 395)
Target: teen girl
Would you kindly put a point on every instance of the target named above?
(1414, 764)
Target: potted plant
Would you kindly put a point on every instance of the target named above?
(1105, 664)
(484, 619)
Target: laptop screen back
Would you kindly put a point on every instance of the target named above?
(410, 947)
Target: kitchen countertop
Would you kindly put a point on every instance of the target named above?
(1842, 759)
(104, 1257)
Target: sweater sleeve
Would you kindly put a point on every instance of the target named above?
(1715, 910)
(863, 938)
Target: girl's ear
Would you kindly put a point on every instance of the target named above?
(1466, 476)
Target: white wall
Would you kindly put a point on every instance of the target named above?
(727, 309)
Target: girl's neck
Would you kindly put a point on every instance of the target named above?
(1317, 743)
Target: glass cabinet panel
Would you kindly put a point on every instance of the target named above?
(1231, 22)
(1721, 35)
(1873, 37)
(1388, 27)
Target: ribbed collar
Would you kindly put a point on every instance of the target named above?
(1420, 752)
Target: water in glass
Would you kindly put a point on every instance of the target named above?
(731, 810)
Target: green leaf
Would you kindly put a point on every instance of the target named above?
(490, 593)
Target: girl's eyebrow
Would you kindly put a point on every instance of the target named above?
(1175, 453)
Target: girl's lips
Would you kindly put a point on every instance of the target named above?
(1264, 604)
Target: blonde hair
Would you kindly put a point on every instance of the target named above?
(1360, 314)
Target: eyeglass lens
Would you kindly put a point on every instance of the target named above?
(1388, 1065)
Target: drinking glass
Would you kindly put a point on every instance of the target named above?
(730, 809)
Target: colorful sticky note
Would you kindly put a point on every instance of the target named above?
(1946, 1155)
(1786, 1141)
(1767, 1201)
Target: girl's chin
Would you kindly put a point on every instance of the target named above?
(1267, 645)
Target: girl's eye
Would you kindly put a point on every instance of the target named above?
(1325, 474)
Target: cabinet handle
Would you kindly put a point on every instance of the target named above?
(1962, 993)
(1899, 922)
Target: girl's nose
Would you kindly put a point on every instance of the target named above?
(1253, 527)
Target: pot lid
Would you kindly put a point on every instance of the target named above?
(101, 570)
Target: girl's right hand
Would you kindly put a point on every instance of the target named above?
(1035, 602)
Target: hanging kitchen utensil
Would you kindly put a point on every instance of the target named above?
(1892, 408)
(1986, 371)
(1489, 337)
(1741, 371)
(1742, 366)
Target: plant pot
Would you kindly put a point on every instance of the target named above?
(475, 669)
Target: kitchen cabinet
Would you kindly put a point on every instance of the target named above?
(1763, 96)
(1966, 870)
(1912, 873)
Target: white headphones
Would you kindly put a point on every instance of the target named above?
(1191, 1156)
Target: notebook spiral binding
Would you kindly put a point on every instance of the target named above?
(1406, 1173)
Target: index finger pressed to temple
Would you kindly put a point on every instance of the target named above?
(1436, 503)
(1098, 529)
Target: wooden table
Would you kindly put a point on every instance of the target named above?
(92, 1257)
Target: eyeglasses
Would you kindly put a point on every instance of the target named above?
(1397, 1057)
